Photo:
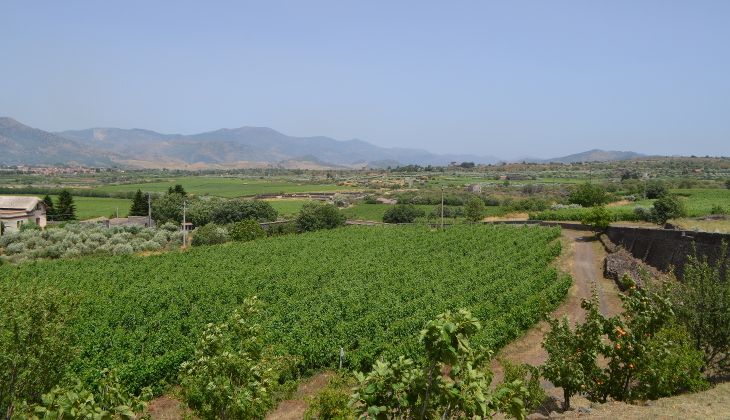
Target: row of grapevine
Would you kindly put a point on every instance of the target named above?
(368, 290)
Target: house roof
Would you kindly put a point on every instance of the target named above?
(13, 202)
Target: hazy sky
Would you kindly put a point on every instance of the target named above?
(510, 78)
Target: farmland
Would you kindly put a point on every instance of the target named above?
(366, 289)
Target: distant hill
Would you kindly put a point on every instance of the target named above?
(20, 144)
(595, 155)
(251, 146)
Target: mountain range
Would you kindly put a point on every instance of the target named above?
(242, 147)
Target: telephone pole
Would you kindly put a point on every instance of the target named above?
(184, 227)
(149, 210)
(442, 207)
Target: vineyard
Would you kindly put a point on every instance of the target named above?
(368, 290)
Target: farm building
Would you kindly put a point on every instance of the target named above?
(16, 211)
(474, 188)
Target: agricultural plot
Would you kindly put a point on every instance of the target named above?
(226, 187)
(366, 289)
(287, 208)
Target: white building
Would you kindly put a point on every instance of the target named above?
(15, 210)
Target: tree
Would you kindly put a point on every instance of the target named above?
(598, 218)
(233, 374)
(50, 208)
(248, 230)
(702, 304)
(65, 210)
(402, 213)
(35, 342)
(727, 184)
(474, 209)
(656, 189)
(167, 208)
(177, 189)
(232, 211)
(452, 381)
(210, 234)
(588, 195)
(316, 216)
(139, 205)
(667, 207)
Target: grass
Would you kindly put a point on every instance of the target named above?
(288, 208)
(719, 226)
(226, 187)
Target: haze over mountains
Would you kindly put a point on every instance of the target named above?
(225, 148)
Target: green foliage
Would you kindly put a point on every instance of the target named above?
(247, 230)
(167, 208)
(50, 208)
(702, 304)
(177, 189)
(210, 234)
(402, 213)
(139, 205)
(232, 211)
(718, 209)
(324, 290)
(232, 374)
(35, 342)
(65, 209)
(453, 381)
(667, 207)
(588, 195)
(316, 216)
(474, 209)
(529, 377)
(332, 402)
(29, 225)
(727, 184)
(656, 189)
(647, 356)
(598, 218)
(106, 399)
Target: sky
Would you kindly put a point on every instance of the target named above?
(504, 78)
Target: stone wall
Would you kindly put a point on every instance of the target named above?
(664, 249)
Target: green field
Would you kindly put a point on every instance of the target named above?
(226, 187)
(288, 208)
(368, 290)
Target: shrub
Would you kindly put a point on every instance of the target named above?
(316, 216)
(210, 234)
(402, 213)
(718, 209)
(30, 225)
(529, 376)
(598, 218)
(233, 211)
(248, 230)
(588, 195)
(123, 249)
(370, 199)
(474, 209)
(35, 342)
(282, 229)
(332, 402)
(232, 374)
(668, 207)
(656, 189)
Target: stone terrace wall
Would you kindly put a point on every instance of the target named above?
(664, 249)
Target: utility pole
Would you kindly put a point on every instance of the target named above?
(442, 207)
(149, 210)
(117, 212)
(184, 227)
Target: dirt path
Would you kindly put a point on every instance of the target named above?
(294, 408)
(582, 257)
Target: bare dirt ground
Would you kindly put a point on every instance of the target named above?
(582, 257)
(294, 408)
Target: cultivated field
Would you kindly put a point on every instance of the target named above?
(366, 289)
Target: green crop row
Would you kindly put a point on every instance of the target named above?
(368, 290)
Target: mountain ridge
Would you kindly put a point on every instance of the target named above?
(225, 148)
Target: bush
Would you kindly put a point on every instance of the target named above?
(656, 189)
(474, 209)
(668, 207)
(598, 218)
(332, 402)
(529, 376)
(278, 229)
(123, 249)
(588, 195)
(210, 234)
(316, 216)
(248, 230)
(233, 211)
(30, 225)
(718, 209)
(402, 213)
(35, 342)
(232, 374)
